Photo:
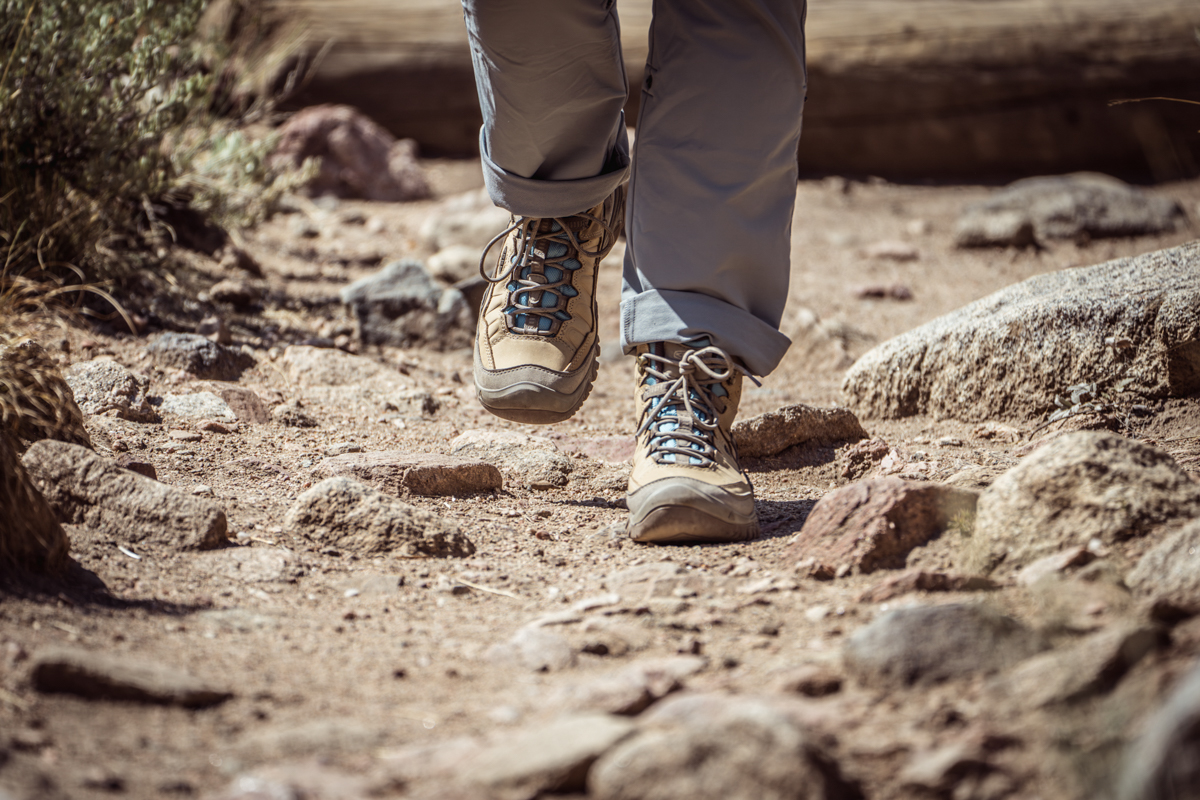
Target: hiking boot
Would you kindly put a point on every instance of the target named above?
(686, 485)
(536, 348)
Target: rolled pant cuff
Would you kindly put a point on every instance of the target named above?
(659, 316)
(530, 197)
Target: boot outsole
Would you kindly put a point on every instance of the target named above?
(500, 402)
(687, 525)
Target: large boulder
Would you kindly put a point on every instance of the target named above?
(1170, 572)
(1084, 485)
(355, 156)
(402, 305)
(1132, 325)
(1085, 204)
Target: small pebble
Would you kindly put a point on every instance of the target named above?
(185, 436)
(214, 427)
(203, 490)
(341, 448)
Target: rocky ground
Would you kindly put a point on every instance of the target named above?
(346, 580)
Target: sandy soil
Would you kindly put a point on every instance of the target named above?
(349, 658)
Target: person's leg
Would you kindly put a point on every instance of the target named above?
(707, 263)
(714, 177)
(551, 86)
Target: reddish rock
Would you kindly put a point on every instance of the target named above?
(357, 157)
(775, 431)
(400, 473)
(873, 524)
(919, 580)
(861, 457)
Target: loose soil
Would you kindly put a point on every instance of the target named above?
(345, 658)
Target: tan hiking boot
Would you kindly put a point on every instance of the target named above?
(536, 347)
(686, 485)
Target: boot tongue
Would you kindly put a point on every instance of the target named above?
(675, 350)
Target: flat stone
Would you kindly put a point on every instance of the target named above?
(775, 431)
(318, 366)
(552, 758)
(810, 680)
(1052, 564)
(102, 676)
(84, 489)
(874, 524)
(1064, 207)
(1083, 485)
(106, 387)
(930, 644)
(199, 356)
(400, 473)
(184, 436)
(535, 649)
(715, 747)
(1083, 670)
(528, 460)
(343, 513)
(402, 305)
(919, 580)
(1010, 354)
(342, 448)
(131, 463)
(1162, 762)
(201, 405)
(32, 537)
(1170, 571)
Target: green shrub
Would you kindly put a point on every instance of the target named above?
(105, 113)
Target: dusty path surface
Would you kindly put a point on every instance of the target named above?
(339, 663)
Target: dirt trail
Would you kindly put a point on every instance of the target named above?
(349, 659)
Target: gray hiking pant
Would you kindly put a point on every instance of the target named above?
(713, 172)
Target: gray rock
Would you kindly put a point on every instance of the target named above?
(697, 747)
(101, 387)
(534, 649)
(875, 524)
(1162, 763)
(1064, 207)
(31, 537)
(775, 431)
(1083, 670)
(83, 488)
(401, 473)
(319, 366)
(344, 513)
(194, 353)
(530, 460)
(1084, 485)
(402, 305)
(1170, 571)
(102, 676)
(1131, 324)
(201, 405)
(929, 644)
(552, 758)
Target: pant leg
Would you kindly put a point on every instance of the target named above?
(713, 183)
(551, 86)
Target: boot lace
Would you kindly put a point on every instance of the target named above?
(682, 398)
(541, 269)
